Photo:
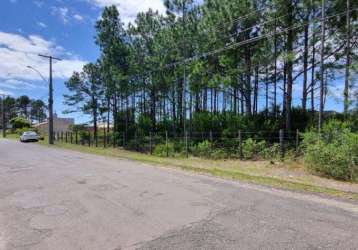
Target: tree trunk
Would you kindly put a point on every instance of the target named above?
(347, 73)
(108, 112)
(313, 72)
(305, 65)
(289, 46)
(235, 101)
(266, 93)
(275, 74)
(256, 87)
(322, 84)
(284, 94)
(247, 91)
(94, 113)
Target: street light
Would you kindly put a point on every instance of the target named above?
(50, 99)
(39, 73)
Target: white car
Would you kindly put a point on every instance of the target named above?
(29, 136)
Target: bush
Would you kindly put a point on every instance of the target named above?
(334, 153)
(271, 152)
(162, 149)
(19, 123)
(203, 149)
(206, 149)
(252, 148)
(219, 154)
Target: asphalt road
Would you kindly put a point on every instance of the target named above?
(59, 199)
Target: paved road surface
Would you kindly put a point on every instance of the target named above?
(58, 199)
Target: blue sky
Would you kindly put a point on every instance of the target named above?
(63, 28)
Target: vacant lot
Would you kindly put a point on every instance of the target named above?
(57, 199)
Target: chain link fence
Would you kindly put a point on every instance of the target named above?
(242, 144)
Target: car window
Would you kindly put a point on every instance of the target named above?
(30, 133)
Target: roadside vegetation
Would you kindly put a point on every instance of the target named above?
(216, 81)
(305, 170)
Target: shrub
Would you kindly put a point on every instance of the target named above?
(162, 149)
(252, 148)
(334, 153)
(19, 123)
(219, 154)
(270, 152)
(202, 149)
(206, 149)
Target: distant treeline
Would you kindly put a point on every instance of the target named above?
(23, 106)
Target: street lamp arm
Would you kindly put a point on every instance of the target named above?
(39, 73)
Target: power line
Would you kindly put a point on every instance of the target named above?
(250, 28)
(248, 41)
(236, 20)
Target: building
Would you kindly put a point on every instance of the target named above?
(59, 125)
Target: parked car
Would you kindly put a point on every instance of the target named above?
(29, 136)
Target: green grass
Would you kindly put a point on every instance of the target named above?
(11, 136)
(212, 168)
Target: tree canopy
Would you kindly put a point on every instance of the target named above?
(225, 60)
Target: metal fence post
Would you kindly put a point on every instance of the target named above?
(114, 139)
(150, 143)
(240, 145)
(186, 145)
(71, 134)
(166, 143)
(282, 143)
(89, 138)
(297, 140)
(211, 139)
(135, 140)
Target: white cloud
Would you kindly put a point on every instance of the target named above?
(17, 52)
(42, 25)
(39, 4)
(4, 92)
(61, 12)
(78, 17)
(15, 84)
(129, 9)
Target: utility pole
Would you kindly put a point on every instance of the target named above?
(322, 91)
(50, 99)
(3, 116)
